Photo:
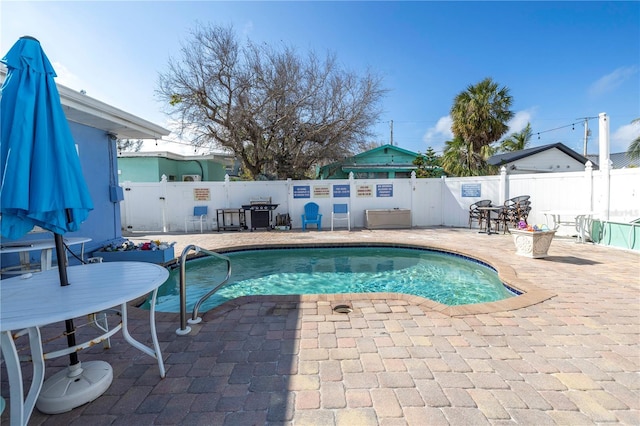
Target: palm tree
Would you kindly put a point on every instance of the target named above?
(480, 115)
(517, 141)
(633, 152)
(459, 159)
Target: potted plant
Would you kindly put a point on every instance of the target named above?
(149, 251)
(532, 241)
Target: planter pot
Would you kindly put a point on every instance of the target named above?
(151, 256)
(532, 244)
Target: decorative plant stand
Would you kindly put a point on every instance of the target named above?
(532, 244)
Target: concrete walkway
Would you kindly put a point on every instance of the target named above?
(570, 355)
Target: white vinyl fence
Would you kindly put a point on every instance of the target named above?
(163, 206)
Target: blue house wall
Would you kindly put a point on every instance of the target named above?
(98, 159)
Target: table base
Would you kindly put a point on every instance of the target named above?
(74, 386)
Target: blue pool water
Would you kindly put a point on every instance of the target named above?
(442, 277)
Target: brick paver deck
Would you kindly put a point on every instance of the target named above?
(569, 355)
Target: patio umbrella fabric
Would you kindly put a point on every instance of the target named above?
(42, 181)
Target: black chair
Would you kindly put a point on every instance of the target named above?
(515, 209)
(476, 214)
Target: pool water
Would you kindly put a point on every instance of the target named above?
(445, 278)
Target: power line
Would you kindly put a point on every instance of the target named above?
(572, 125)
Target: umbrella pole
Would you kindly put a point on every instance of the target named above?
(62, 259)
(79, 383)
(64, 281)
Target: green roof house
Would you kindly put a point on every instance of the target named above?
(151, 166)
(386, 161)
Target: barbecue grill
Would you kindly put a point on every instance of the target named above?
(261, 212)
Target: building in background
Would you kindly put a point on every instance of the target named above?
(95, 127)
(552, 158)
(386, 161)
(151, 166)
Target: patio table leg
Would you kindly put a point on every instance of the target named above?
(155, 352)
(20, 410)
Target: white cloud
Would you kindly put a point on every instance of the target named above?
(611, 81)
(519, 121)
(248, 28)
(620, 139)
(436, 136)
(66, 78)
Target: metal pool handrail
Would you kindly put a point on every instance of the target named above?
(184, 328)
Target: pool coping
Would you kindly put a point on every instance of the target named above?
(531, 294)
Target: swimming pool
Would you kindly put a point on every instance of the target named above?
(445, 278)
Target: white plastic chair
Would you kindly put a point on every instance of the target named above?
(341, 212)
(199, 216)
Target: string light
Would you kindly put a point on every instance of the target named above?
(573, 126)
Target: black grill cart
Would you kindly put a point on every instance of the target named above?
(261, 213)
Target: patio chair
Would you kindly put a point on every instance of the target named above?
(515, 209)
(311, 215)
(477, 215)
(199, 216)
(341, 212)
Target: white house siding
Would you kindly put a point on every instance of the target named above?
(551, 160)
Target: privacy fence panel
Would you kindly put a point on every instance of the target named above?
(163, 206)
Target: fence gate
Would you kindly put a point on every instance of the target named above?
(150, 218)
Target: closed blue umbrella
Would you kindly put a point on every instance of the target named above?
(42, 181)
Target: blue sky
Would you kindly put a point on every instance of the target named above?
(562, 61)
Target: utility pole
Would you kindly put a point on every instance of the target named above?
(391, 128)
(587, 133)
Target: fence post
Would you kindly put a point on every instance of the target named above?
(588, 177)
(227, 183)
(413, 195)
(604, 164)
(503, 184)
(163, 201)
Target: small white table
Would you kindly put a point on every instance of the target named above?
(580, 219)
(40, 300)
(46, 249)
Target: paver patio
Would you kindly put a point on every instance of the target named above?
(573, 358)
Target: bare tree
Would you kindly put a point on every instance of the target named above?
(281, 113)
(129, 145)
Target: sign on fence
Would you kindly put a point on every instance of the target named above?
(341, 191)
(471, 190)
(364, 190)
(384, 190)
(301, 191)
(321, 191)
(201, 194)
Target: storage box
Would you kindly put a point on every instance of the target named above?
(151, 256)
(387, 218)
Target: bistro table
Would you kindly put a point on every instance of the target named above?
(486, 211)
(46, 249)
(35, 300)
(581, 221)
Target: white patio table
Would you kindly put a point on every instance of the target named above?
(38, 299)
(46, 250)
(580, 219)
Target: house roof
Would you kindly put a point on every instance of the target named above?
(509, 157)
(620, 160)
(352, 164)
(220, 157)
(82, 109)
(385, 148)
